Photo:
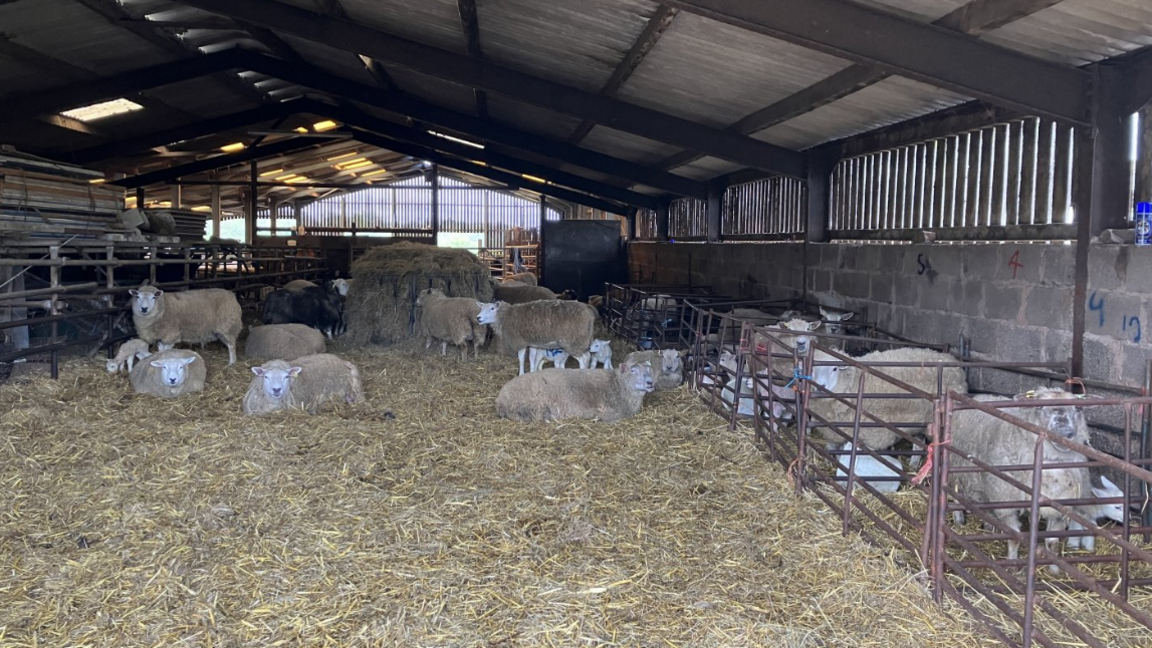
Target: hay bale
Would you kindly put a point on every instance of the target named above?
(381, 304)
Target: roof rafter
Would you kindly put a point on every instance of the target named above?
(928, 53)
(976, 17)
(470, 25)
(458, 68)
(335, 9)
(660, 21)
(216, 162)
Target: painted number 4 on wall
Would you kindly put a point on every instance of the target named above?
(1129, 324)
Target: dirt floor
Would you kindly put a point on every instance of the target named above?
(418, 518)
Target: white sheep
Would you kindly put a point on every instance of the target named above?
(283, 342)
(193, 316)
(601, 351)
(451, 320)
(922, 376)
(519, 293)
(299, 284)
(553, 394)
(1094, 512)
(169, 374)
(548, 324)
(667, 366)
(834, 320)
(127, 355)
(307, 382)
(537, 358)
(526, 278)
(999, 443)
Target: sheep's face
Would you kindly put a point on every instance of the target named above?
(145, 301)
(641, 375)
(487, 312)
(112, 366)
(1066, 421)
(670, 360)
(173, 370)
(801, 342)
(277, 380)
(425, 295)
(833, 320)
(340, 287)
(600, 346)
(1114, 512)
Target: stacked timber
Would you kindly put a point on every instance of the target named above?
(44, 199)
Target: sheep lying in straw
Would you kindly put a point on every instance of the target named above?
(667, 366)
(193, 316)
(1094, 512)
(307, 382)
(903, 410)
(283, 342)
(553, 394)
(1000, 443)
(526, 278)
(128, 353)
(451, 320)
(550, 324)
(169, 374)
(522, 293)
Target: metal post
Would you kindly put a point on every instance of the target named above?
(435, 179)
(253, 198)
(296, 216)
(662, 218)
(139, 197)
(1084, 183)
(715, 206)
(540, 238)
(177, 196)
(273, 207)
(215, 212)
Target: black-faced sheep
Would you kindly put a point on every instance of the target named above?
(169, 374)
(127, 355)
(283, 342)
(999, 443)
(193, 316)
(553, 394)
(307, 382)
(548, 324)
(451, 320)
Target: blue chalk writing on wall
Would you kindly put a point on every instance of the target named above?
(924, 263)
(1132, 322)
(1095, 305)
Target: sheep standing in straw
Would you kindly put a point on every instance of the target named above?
(553, 394)
(549, 324)
(193, 316)
(923, 376)
(283, 342)
(128, 353)
(169, 374)
(667, 366)
(308, 382)
(451, 320)
(999, 443)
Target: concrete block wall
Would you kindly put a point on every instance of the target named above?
(1013, 301)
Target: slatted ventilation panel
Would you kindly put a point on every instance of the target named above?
(765, 207)
(1016, 173)
(645, 225)
(688, 219)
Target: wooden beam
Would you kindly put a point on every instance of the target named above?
(927, 53)
(118, 16)
(660, 21)
(462, 69)
(470, 25)
(974, 18)
(466, 166)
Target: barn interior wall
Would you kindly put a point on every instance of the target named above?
(1013, 301)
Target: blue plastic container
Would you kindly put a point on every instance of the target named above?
(1144, 223)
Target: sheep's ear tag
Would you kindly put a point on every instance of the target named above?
(1030, 394)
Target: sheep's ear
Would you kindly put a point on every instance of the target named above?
(156, 363)
(294, 371)
(480, 304)
(1108, 486)
(259, 371)
(823, 312)
(159, 292)
(846, 316)
(134, 292)
(187, 360)
(812, 326)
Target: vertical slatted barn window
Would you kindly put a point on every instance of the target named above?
(645, 224)
(1009, 174)
(688, 219)
(764, 207)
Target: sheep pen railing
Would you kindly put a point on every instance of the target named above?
(893, 498)
(649, 315)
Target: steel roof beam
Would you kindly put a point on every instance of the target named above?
(216, 162)
(975, 17)
(470, 25)
(335, 9)
(465, 70)
(660, 21)
(504, 177)
(928, 53)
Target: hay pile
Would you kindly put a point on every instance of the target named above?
(381, 308)
(419, 519)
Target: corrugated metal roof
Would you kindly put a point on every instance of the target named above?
(706, 168)
(341, 63)
(715, 74)
(923, 10)
(892, 100)
(626, 146)
(432, 22)
(1077, 32)
(530, 118)
(432, 89)
(576, 43)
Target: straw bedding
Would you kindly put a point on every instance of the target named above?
(381, 301)
(418, 518)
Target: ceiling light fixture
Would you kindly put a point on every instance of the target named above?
(232, 148)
